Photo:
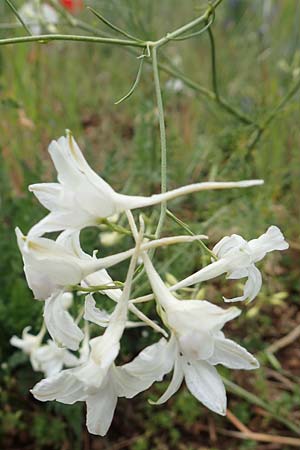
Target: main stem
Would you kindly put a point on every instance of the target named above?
(163, 141)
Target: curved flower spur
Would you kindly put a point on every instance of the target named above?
(82, 198)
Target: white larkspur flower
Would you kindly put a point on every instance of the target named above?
(81, 197)
(97, 381)
(197, 344)
(51, 266)
(29, 343)
(50, 358)
(237, 258)
(38, 17)
(59, 322)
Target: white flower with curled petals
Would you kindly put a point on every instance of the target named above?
(81, 197)
(59, 322)
(47, 358)
(237, 258)
(50, 359)
(197, 344)
(29, 343)
(97, 381)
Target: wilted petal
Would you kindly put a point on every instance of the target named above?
(204, 383)
(231, 355)
(100, 409)
(60, 323)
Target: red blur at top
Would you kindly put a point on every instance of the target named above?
(72, 5)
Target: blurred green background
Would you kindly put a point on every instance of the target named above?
(46, 88)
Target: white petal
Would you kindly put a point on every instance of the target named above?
(67, 172)
(60, 323)
(150, 365)
(100, 409)
(272, 239)
(197, 344)
(238, 274)
(204, 383)
(174, 385)
(228, 243)
(63, 387)
(188, 315)
(93, 314)
(48, 194)
(60, 220)
(231, 355)
(251, 288)
(102, 277)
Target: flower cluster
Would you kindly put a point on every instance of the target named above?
(79, 361)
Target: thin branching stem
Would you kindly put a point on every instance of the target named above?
(44, 38)
(163, 140)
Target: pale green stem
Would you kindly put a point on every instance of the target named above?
(188, 26)
(163, 141)
(43, 38)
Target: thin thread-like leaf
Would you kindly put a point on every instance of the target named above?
(135, 84)
(16, 13)
(111, 25)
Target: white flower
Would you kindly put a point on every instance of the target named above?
(98, 381)
(197, 344)
(50, 358)
(81, 197)
(38, 16)
(237, 258)
(29, 343)
(51, 266)
(60, 324)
